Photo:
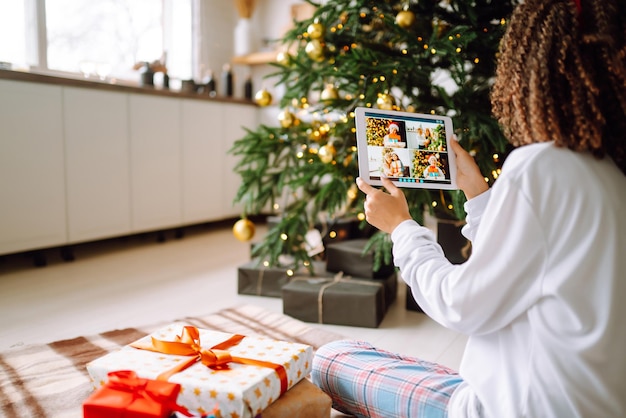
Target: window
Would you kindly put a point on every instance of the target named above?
(103, 38)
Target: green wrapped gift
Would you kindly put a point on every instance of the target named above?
(348, 257)
(341, 300)
(254, 278)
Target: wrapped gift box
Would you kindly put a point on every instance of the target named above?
(348, 257)
(253, 278)
(269, 368)
(125, 395)
(341, 301)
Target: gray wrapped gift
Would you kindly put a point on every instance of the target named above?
(348, 257)
(341, 300)
(253, 278)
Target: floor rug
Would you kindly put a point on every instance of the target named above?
(50, 380)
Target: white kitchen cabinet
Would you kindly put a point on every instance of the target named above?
(32, 178)
(209, 182)
(235, 118)
(202, 179)
(97, 163)
(155, 161)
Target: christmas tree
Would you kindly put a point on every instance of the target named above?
(433, 57)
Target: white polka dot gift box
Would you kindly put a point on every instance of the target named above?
(239, 375)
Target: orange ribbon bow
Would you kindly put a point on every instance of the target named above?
(216, 357)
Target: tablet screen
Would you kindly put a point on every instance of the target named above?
(411, 149)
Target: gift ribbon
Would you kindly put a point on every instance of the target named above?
(216, 357)
(128, 381)
(259, 282)
(339, 278)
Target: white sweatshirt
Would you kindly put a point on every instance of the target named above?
(543, 295)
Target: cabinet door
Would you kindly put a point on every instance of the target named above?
(97, 163)
(203, 167)
(155, 153)
(32, 183)
(235, 119)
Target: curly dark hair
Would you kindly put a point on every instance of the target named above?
(561, 76)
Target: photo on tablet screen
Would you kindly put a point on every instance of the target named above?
(410, 149)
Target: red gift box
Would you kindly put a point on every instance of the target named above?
(127, 396)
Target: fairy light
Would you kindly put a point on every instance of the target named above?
(434, 204)
(332, 234)
(276, 206)
(290, 272)
(283, 236)
(266, 263)
(450, 207)
(360, 216)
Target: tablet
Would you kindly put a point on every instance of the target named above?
(411, 149)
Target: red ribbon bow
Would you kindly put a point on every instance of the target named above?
(128, 381)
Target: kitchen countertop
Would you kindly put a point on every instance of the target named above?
(110, 86)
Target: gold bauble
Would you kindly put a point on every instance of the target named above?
(244, 229)
(316, 30)
(263, 97)
(315, 50)
(286, 119)
(385, 101)
(405, 19)
(329, 93)
(327, 153)
(283, 58)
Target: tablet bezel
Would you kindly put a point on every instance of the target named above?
(363, 149)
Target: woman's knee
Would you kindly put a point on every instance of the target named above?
(331, 356)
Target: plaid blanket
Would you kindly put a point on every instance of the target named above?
(50, 380)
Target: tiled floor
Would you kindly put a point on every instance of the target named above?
(136, 281)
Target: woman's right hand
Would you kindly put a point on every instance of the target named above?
(468, 175)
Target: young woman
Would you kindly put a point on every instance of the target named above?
(543, 295)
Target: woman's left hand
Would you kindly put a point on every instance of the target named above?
(383, 210)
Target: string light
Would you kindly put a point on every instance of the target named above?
(283, 236)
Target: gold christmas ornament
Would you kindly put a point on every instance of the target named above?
(405, 19)
(244, 229)
(329, 93)
(286, 118)
(327, 153)
(316, 30)
(385, 101)
(263, 97)
(283, 58)
(315, 50)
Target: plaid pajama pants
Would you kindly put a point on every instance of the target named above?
(367, 382)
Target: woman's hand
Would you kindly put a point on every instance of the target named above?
(468, 175)
(383, 210)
